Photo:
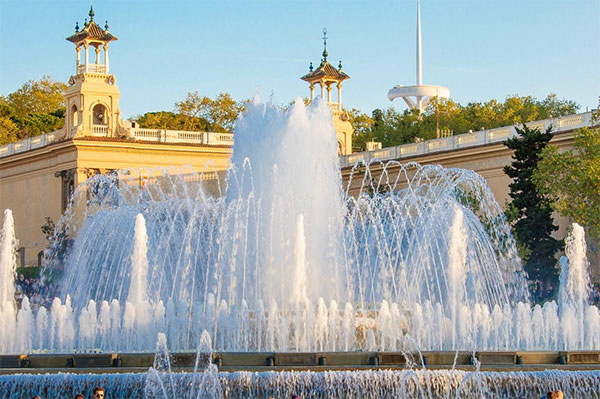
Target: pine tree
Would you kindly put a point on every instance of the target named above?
(530, 212)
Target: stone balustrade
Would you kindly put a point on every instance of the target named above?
(182, 136)
(91, 68)
(28, 144)
(471, 139)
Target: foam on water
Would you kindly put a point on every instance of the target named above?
(421, 384)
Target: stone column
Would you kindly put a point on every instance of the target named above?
(106, 58)
(86, 55)
(78, 62)
(339, 87)
(312, 92)
(329, 93)
(322, 89)
(97, 48)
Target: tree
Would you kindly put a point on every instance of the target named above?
(37, 107)
(221, 112)
(572, 179)
(529, 212)
(8, 129)
(172, 121)
(44, 96)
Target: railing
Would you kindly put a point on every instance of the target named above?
(28, 144)
(466, 140)
(182, 136)
(99, 130)
(91, 68)
(471, 139)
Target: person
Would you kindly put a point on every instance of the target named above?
(98, 393)
(79, 396)
(555, 395)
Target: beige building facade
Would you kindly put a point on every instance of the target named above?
(38, 175)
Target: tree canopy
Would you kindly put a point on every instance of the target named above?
(529, 212)
(221, 112)
(172, 121)
(198, 113)
(392, 127)
(37, 107)
(572, 179)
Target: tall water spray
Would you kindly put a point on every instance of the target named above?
(456, 268)
(579, 321)
(139, 264)
(288, 260)
(8, 265)
(575, 283)
(299, 283)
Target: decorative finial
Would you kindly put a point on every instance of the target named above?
(85, 22)
(106, 26)
(340, 65)
(310, 68)
(325, 45)
(91, 14)
(76, 26)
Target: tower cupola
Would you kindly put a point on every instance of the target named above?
(326, 76)
(92, 95)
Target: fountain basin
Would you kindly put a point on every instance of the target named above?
(318, 361)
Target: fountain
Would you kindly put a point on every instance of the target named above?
(287, 261)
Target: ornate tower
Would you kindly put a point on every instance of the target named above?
(326, 76)
(92, 96)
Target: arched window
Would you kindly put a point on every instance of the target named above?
(100, 115)
(74, 115)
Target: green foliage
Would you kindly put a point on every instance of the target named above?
(172, 121)
(43, 96)
(394, 128)
(529, 212)
(572, 179)
(221, 112)
(37, 107)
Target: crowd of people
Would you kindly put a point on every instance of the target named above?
(98, 393)
(37, 292)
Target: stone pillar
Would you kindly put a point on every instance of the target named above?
(329, 93)
(97, 48)
(78, 62)
(106, 58)
(312, 92)
(339, 87)
(86, 56)
(322, 90)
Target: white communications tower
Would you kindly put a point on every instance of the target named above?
(419, 96)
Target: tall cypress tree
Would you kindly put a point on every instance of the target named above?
(531, 214)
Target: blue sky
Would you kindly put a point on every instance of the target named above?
(479, 49)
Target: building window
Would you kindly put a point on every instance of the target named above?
(74, 115)
(21, 256)
(100, 115)
(67, 180)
